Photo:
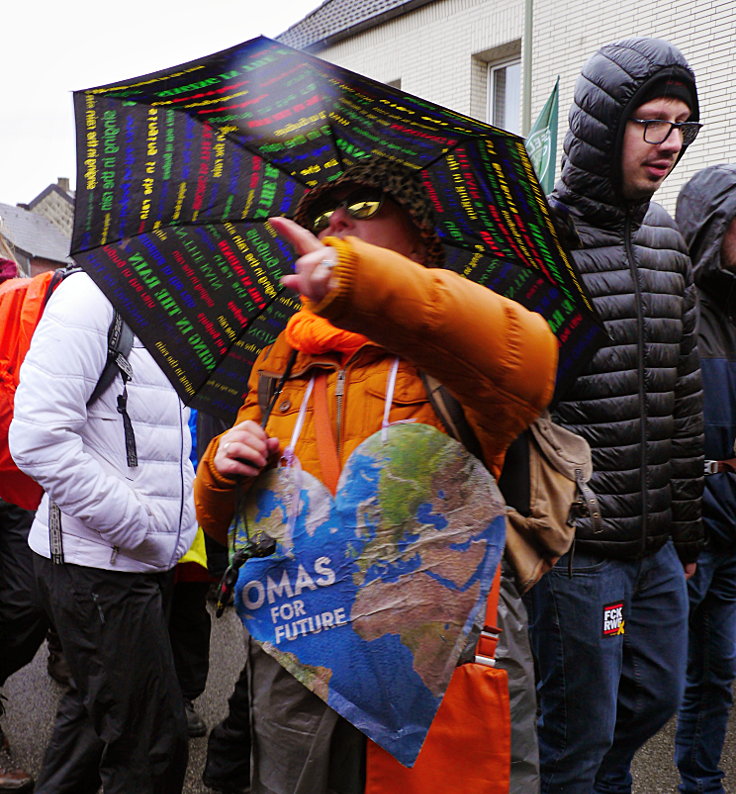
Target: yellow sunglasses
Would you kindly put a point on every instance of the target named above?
(361, 204)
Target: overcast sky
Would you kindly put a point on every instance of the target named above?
(50, 48)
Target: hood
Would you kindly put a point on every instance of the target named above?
(608, 90)
(705, 208)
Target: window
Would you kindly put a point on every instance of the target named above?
(504, 95)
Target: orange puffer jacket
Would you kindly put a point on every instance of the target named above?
(497, 358)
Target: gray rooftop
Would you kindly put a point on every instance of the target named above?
(337, 19)
(67, 195)
(33, 234)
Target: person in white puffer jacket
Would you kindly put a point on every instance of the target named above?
(123, 528)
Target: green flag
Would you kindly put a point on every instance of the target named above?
(541, 143)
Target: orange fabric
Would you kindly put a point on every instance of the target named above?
(21, 305)
(493, 596)
(326, 447)
(311, 333)
(468, 747)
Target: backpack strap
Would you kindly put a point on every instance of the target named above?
(59, 275)
(55, 543)
(451, 414)
(119, 345)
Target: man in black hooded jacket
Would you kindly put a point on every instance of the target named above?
(608, 623)
(706, 215)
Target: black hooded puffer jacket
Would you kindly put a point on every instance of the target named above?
(639, 402)
(706, 207)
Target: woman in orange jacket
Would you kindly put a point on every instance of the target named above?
(368, 302)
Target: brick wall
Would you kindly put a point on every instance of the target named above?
(567, 32)
(439, 52)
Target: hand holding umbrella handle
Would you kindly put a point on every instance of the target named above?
(313, 276)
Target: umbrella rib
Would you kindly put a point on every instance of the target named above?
(443, 154)
(253, 151)
(280, 291)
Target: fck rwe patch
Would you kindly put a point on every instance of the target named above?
(613, 619)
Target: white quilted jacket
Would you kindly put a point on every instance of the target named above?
(113, 517)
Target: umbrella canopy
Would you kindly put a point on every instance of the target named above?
(179, 170)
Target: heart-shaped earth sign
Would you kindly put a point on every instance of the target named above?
(371, 595)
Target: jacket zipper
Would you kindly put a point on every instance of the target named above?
(641, 368)
(339, 395)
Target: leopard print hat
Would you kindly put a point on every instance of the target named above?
(399, 182)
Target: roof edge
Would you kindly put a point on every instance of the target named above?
(352, 30)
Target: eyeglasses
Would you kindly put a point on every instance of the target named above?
(657, 130)
(361, 204)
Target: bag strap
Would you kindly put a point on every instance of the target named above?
(59, 275)
(326, 446)
(268, 393)
(485, 650)
(451, 414)
(453, 418)
(720, 466)
(586, 505)
(56, 546)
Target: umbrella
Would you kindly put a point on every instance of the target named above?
(179, 170)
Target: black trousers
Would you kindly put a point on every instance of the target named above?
(122, 724)
(189, 631)
(228, 745)
(23, 622)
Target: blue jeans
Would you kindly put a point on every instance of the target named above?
(608, 644)
(711, 669)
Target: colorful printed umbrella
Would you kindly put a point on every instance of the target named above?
(179, 170)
